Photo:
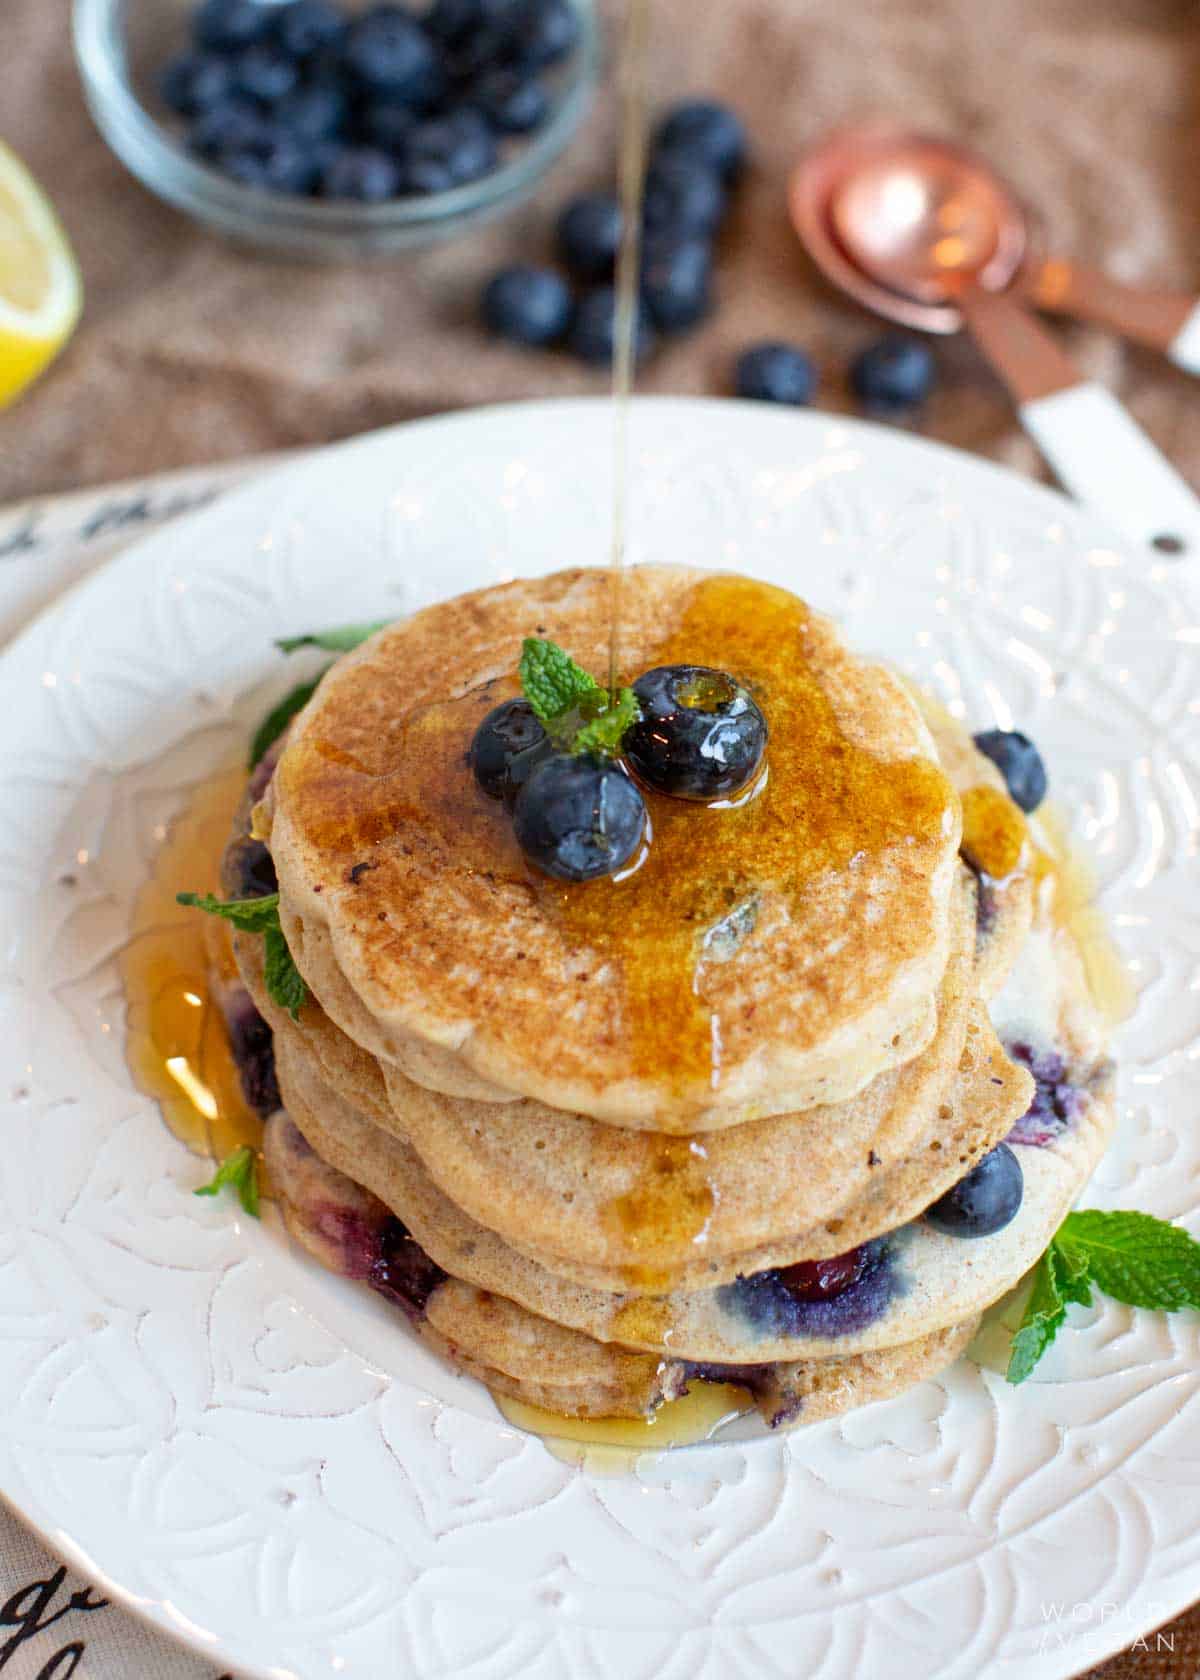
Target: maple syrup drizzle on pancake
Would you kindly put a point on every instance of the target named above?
(995, 835)
(998, 841)
(176, 1044)
(824, 802)
(632, 182)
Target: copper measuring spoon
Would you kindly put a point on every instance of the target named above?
(904, 178)
(920, 232)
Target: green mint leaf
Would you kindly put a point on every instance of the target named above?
(278, 718)
(1071, 1271)
(241, 1171)
(283, 980)
(1134, 1257)
(1044, 1313)
(342, 639)
(252, 915)
(604, 734)
(552, 681)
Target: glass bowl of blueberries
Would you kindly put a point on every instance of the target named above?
(331, 129)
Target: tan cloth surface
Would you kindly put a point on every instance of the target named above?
(192, 352)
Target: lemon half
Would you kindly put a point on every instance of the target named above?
(40, 290)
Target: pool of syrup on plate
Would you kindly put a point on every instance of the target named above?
(612, 1446)
(176, 1044)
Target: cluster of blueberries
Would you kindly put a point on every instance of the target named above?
(697, 153)
(581, 816)
(990, 1195)
(298, 97)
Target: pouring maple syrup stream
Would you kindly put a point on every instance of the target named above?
(632, 186)
(611, 1445)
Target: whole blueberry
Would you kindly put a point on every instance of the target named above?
(463, 146)
(227, 25)
(527, 305)
(893, 374)
(779, 373)
(389, 52)
(684, 196)
(1019, 762)
(513, 103)
(707, 130)
(491, 44)
(986, 1200)
(275, 162)
(424, 177)
(543, 31)
(700, 735)
(362, 174)
(388, 125)
(677, 283)
(589, 235)
(232, 126)
(579, 818)
(451, 21)
(195, 82)
(316, 112)
(594, 329)
(265, 73)
(305, 27)
(509, 744)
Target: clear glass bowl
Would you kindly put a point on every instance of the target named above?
(121, 45)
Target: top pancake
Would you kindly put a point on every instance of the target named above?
(763, 957)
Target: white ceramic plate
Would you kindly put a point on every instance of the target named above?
(256, 1455)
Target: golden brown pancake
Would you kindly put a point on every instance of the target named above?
(762, 959)
(527, 1357)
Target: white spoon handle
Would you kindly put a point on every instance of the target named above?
(1098, 452)
(1184, 348)
(1102, 456)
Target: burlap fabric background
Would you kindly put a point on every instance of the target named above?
(192, 352)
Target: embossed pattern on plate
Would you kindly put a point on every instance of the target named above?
(254, 1454)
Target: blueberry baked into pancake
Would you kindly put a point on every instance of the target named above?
(721, 1023)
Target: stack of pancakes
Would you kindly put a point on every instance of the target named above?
(602, 1141)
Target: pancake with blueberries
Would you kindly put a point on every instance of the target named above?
(761, 958)
(564, 1185)
(643, 1210)
(530, 1358)
(889, 1290)
(596, 1259)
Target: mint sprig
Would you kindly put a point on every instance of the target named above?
(553, 683)
(239, 1170)
(604, 734)
(577, 714)
(344, 638)
(283, 980)
(1133, 1257)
